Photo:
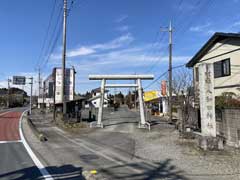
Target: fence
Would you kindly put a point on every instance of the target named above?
(228, 125)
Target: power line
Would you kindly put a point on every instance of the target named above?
(160, 76)
(52, 47)
(156, 62)
(182, 30)
(163, 38)
(152, 45)
(56, 32)
(47, 32)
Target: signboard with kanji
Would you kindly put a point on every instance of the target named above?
(19, 80)
(207, 100)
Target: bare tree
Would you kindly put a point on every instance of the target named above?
(182, 84)
(182, 81)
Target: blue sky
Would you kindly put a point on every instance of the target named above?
(109, 37)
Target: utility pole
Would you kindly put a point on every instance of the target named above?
(135, 95)
(39, 84)
(8, 95)
(31, 78)
(64, 55)
(170, 30)
(43, 93)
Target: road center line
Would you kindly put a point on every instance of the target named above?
(36, 161)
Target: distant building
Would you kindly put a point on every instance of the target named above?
(94, 101)
(157, 101)
(52, 87)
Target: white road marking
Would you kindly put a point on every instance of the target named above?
(5, 113)
(36, 161)
(5, 142)
(96, 152)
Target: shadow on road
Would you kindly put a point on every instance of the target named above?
(158, 170)
(67, 172)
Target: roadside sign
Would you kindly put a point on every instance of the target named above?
(151, 95)
(164, 88)
(19, 80)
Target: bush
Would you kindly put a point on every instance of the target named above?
(227, 100)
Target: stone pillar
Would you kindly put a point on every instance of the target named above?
(100, 110)
(207, 100)
(141, 106)
(165, 105)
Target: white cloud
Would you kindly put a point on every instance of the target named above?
(200, 28)
(80, 52)
(123, 28)
(237, 23)
(119, 42)
(115, 43)
(121, 18)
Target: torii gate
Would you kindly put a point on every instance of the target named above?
(138, 85)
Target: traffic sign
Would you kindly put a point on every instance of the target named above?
(19, 80)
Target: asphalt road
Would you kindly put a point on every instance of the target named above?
(15, 163)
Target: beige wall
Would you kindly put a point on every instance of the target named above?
(234, 78)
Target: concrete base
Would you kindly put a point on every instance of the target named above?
(96, 125)
(210, 143)
(144, 126)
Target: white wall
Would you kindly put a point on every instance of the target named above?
(69, 86)
(96, 102)
(234, 78)
(47, 101)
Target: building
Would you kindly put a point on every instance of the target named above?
(223, 51)
(51, 91)
(156, 101)
(221, 54)
(94, 101)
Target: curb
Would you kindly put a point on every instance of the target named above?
(34, 158)
(36, 132)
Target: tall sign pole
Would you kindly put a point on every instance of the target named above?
(64, 55)
(8, 95)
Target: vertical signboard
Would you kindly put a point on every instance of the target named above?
(207, 100)
(164, 88)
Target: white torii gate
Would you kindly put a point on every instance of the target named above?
(138, 85)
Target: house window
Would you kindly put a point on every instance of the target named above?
(222, 68)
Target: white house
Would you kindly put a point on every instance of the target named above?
(223, 51)
(94, 101)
